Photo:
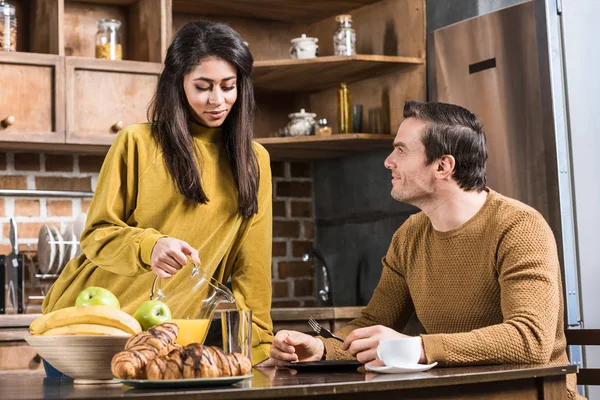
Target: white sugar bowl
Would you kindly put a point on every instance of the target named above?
(304, 47)
(301, 123)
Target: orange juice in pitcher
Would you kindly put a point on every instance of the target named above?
(191, 330)
(192, 298)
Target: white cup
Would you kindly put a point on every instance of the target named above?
(398, 352)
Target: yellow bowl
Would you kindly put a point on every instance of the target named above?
(84, 358)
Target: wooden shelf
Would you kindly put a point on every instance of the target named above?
(323, 73)
(280, 148)
(322, 147)
(306, 11)
(108, 2)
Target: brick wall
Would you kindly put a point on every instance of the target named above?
(43, 171)
(293, 234)
(292, 211)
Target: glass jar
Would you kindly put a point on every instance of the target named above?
(8, 27)
(344, 37)
(108, 42)
(324, 129)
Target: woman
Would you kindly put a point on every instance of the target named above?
(190, 183)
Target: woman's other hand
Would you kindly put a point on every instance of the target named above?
(170, 255)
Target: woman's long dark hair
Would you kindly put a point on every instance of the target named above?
(170, 112)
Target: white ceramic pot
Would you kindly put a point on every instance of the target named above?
(301, 123)
(304, 47)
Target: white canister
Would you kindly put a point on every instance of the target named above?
(301, 123)
(304, 47)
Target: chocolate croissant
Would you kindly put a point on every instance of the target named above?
(158, 336)
(197, 361)
(142, 348)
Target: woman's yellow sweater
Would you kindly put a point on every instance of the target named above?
(136, 203)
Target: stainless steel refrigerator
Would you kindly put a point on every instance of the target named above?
(530, 73)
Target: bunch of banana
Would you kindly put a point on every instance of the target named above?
(86, 320)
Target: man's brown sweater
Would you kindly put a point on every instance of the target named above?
(488, 292)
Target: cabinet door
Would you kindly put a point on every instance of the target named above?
(104, 96)
(32, 98)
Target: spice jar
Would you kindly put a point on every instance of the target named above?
(344, 37)
(108, 42)
(8, 27)
(323, 128)
(344, 109)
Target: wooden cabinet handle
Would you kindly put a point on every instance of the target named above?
(117, 126)
(8, 121)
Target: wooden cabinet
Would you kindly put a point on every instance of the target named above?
(104, 96)
(95, 97)
(31, 109)
(388, 69)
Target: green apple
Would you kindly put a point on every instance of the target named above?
(97, 296)
(152, 312)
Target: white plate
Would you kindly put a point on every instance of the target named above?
(60, 250)
(405, 369)
(71, 245)
(184, 383)
(78, 228)
(46, 252)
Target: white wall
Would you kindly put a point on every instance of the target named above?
(582, 58)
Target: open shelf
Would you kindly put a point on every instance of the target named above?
(323, 73)
(322, 147)
(306, 11)
(299, 148)
(141, 33)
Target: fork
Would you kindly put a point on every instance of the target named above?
(322, 331)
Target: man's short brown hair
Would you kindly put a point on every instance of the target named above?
(453, 130)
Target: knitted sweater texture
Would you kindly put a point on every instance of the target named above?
(488, 292)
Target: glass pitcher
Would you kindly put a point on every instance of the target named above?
(192, 298)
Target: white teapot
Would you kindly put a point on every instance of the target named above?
(301, 123)
(304, 47)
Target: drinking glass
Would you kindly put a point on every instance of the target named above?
(236, 326)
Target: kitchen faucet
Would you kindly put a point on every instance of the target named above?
(325, 294)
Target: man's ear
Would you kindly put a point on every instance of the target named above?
(445, 167)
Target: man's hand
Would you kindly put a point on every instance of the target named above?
(169, 256)
(362, 343)
(293, 346)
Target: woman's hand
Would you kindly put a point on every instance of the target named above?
(170, 255)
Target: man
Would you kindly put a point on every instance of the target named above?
(480, 270)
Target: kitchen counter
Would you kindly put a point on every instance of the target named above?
(15, 353)
(278, 315)
(490, 382)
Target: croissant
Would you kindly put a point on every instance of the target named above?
(142, 348)
(197, 361)
(158, 336)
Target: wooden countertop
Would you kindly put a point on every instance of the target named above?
(278, 314)
(492, 382)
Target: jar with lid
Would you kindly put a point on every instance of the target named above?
(8, 27)
(323, 128)
(344, 37)
(108, 41)
(301, 123)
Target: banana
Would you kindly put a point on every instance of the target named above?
(98, 315)
(86, 329)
